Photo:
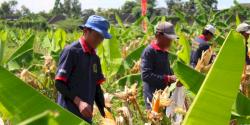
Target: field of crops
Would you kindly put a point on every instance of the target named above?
(28, 62)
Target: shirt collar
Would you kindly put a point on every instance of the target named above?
(85, 47)
(156, 46)
(203, 37)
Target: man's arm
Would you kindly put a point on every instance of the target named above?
(63, 89)
(147, 70)
(66, 63)
(99, 99)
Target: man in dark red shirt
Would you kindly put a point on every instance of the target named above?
(79, 73)
(201, 44)
(155, 67)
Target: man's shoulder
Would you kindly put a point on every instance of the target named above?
(148, 50)
(73, 47)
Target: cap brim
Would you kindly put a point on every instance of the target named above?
(106, 35)
(171, 36)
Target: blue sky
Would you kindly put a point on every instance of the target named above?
(46, 5)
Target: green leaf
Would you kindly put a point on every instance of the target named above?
(213, 103)
(129, 60)
(184, 53)
(44, 118)
(26, 47)
(130, 79)
(220, 39)
(190, 78)
(59, 40)
(3, 39)
(242, 105)
(110, 52)
(180, 15)
(240, 120)
(119, 21)
(237, 18)
(23, 102)
(184, 73)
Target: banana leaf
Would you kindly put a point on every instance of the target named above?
(129, 60)
(110, 54)
(59, 40)
(219, 39)
(240, 110)
(130, 79)
(184, 53)
(237, 19)
(44, 118)
(119, 21)
(26, 47)
(23, 102)
(212, 105)
(3, 39)
(242, 105)
(190, 78)
(241, 120)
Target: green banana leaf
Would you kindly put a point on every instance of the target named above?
(184, 53)
(237, 19)
(59, 40)
(129, 60)
(241, 120)
(240, 110)
(110, 54)
(26, 47)
(3, 39)
(219, 39)
(44, 118)
(130, 79)
(212, 105)
(119, 20)
(242, 105)
(23, 102)
(190, 78)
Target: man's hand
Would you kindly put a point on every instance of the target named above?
(84, 108)
(172, 79)
(179, 84)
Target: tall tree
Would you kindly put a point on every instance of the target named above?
(24, 11)
(76, 8)
(58, 7)
(209, 4)
(128, 6)
(173, 4)
(8, 8)
(67, 5)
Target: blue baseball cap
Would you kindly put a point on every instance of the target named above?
(99, 24)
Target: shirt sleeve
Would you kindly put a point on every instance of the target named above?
(147, 69)
(65, 66)
(100, 76)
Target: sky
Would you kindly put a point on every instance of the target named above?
(46, 5)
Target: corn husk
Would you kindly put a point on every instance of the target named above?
(108, 98)
(203, 63)
(136, 68)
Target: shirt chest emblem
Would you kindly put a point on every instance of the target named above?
(95, 68)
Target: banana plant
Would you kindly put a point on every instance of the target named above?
(8, 60)
(110, 54)
(184, 73)
(24, 105)
(219, 91)
(184, 53)
(3, 40)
